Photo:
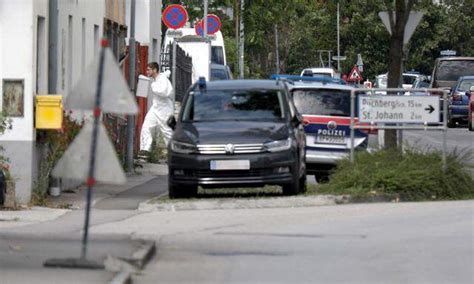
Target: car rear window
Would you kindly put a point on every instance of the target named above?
(323, 102)
(234, 105)
(466, 85)
(218, 74)
(451, 70)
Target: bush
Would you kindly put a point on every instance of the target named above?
(412, 176)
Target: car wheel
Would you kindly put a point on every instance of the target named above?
(451, 123)
(181, 191)
(294, 187)
(322, 177)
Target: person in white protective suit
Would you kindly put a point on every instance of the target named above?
(155, 123)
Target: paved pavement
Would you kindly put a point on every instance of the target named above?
(139, 187)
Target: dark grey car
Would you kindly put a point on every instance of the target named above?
(237, 133)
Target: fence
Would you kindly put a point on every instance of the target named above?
(184, 67)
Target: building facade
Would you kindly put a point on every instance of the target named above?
(45, 47)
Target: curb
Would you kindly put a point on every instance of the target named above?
(122, 278)
(132, 264)
(254, 203)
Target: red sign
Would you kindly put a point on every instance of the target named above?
(354, 75)
(175, 16)
(213, 25)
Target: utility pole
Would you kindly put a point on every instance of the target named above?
(131, 75)
(338, 45)
(277, 53)
(204, 29)
(241, 40)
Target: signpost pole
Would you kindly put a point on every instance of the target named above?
(352, 124)
(445, 128)
(338, 45)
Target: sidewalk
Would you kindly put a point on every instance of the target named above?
(76, 199)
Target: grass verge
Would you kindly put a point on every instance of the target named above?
(411, 175)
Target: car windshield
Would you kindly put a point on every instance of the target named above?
(451, 70)
(224, 105)
(466, 85)
(322, 102)
(409, 79)
(316, 74)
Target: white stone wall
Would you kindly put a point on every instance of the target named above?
(77, 49)
(18, 60)
(147, 25)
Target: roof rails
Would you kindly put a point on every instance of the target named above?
(320, 79)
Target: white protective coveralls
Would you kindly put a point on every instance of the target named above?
(162, 108)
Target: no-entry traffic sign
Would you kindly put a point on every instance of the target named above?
(175, 16)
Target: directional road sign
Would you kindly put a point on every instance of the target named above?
(354, 75)
(399, 109)
(413, 21)
(342, 58)
(175, 16)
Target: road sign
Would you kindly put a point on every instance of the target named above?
(448, 52)
(399, 109)
(74, 163)
(342, 58)
(354, 75)
(213, 25)
(413, 21)
(199, 28)
(360, 63)
(175, 16)
(117, 97)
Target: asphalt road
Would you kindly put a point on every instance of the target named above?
(429, 242)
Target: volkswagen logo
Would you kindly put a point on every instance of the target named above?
(332, 124)
(229, 148)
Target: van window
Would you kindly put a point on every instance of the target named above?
(451, 70)
(217, 55)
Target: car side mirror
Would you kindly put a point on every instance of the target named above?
(297, 119)
(171, 122)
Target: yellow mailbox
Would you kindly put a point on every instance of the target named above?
(49, 112)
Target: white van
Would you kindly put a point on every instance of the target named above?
(217, 43)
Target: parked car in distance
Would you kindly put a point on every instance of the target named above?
(220, 72)
(326, 117)
(320, 72)
(447, 71)
(236, 133)
(470, 121)
(459, 101)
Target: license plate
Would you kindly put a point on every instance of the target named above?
(330, 139)
(222, 165)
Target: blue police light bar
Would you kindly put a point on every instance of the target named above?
(320, 79)
(202, 84)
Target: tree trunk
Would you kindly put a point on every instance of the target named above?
(398, 23)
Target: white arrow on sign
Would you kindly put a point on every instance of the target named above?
(74, 164)
(413, 21)
(116, 96)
